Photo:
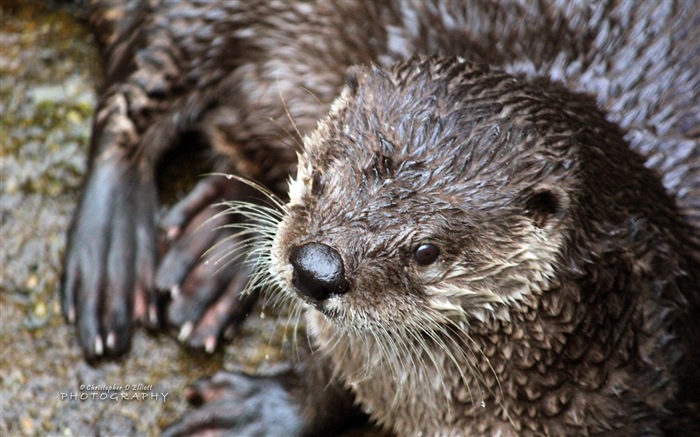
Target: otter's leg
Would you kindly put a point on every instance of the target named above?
(203, 268)
(295, 402)
(111, 256)
(107, 279)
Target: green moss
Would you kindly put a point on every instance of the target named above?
(46, 95)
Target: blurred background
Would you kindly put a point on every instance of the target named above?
(48, 73)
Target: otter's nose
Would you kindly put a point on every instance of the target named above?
(318, 271)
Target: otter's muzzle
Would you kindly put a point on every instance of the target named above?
(319, 272)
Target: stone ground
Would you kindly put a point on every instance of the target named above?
(48, 72)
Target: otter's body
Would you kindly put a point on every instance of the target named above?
(498, 249)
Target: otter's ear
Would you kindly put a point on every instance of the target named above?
(545, 204)
(353, 77)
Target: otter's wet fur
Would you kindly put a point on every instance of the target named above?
(559, 300)
(545, 153)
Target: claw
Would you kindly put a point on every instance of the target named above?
(210, 344)
(99, 347)
(111, 340)
(186, 331)
(173, 233)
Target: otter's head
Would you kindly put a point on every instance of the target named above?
(439, 191)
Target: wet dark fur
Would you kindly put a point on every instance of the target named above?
(474, 161)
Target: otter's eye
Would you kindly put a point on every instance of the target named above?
(427, 254)
(316, 183)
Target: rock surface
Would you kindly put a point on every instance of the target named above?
(48, 73)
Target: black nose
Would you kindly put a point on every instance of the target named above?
(318, 271)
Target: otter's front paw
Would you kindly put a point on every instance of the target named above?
(107, 280)
(203, 268)
(238, 404)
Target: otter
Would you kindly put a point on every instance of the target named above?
(464, 273)
(492, 232)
